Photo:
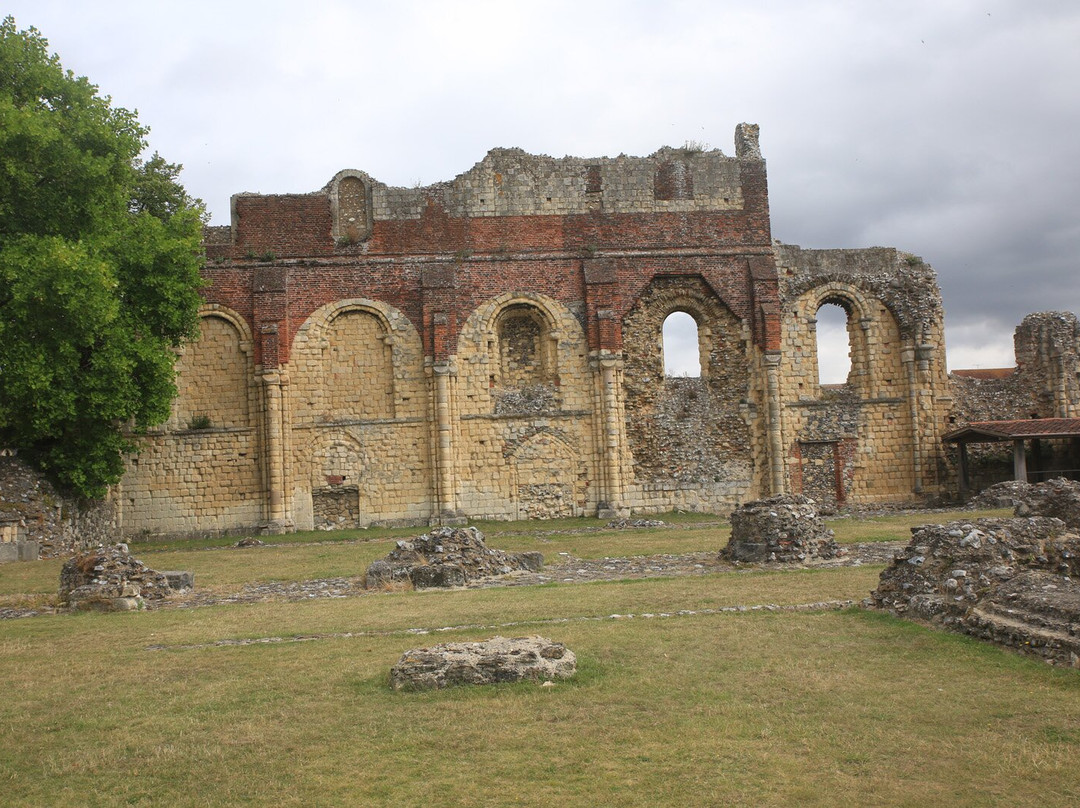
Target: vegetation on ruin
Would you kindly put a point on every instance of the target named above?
(100, 250)
(698, 707)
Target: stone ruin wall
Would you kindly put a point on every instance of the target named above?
(690, 437)
(489, 347)
(458, 351)
(214, 429)
(526, 409)
(32, 510)
(1044, 384)
(875, 438)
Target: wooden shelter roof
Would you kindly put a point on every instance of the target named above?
(988, 431)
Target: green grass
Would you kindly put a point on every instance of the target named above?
(837, 708)
(319, 554)
(828, 708)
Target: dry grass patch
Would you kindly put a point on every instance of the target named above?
(839, 708)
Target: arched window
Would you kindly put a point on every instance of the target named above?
(681, 346)
(833, 344)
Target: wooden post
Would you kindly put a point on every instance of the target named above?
(1019, 461)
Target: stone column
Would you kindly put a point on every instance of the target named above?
(907, 357)
(612, 496)
(445, 483)
(776, 440)
(275, 452)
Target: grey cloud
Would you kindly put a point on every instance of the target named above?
(945, 129)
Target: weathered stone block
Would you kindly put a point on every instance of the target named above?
(784, 528)
(479, 663)
(179, 580)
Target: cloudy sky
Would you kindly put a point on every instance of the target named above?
(947, 129)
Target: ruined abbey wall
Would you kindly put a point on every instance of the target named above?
(876, 437)
(491, 347)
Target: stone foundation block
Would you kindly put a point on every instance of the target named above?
(480, 663)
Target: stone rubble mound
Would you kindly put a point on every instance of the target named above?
(1011, 581)
(499, 659)
(999, 495)
(446, 557)
(1059, 498)
(110, 579)
(783, 528)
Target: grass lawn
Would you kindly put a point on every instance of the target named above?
(701, 708)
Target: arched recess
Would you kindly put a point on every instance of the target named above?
(517, 347)
(833, 343)
(336, 470)
(868, 322)
(356, 360)
(550, 480)
(214, 373)
(527, 355)
(694, 430)
(351, 207)
(837, 447)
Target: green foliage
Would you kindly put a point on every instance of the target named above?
(201, 421)
(99, 270)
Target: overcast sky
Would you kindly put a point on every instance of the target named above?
(950, 129)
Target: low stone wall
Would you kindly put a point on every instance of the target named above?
(447, 557)
(1010, 581)
(1059, 498)
(111, 579)
(58, 524)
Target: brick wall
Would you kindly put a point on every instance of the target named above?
(488, 347)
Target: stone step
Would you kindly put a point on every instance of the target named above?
(1061, 621)
(1014, 631)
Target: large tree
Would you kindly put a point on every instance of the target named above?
(100, 252)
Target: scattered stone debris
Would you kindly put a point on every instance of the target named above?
(110, 579)
(447, 557)
(482, 663)
(566, 569)
(783, 528)
(1010, 581)
(179, 580)
(626, 524)
(250, 541)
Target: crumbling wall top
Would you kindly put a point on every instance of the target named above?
(903, 282)
(512, 182)
(1046, 334)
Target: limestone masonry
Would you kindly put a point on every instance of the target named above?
(491, 347)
